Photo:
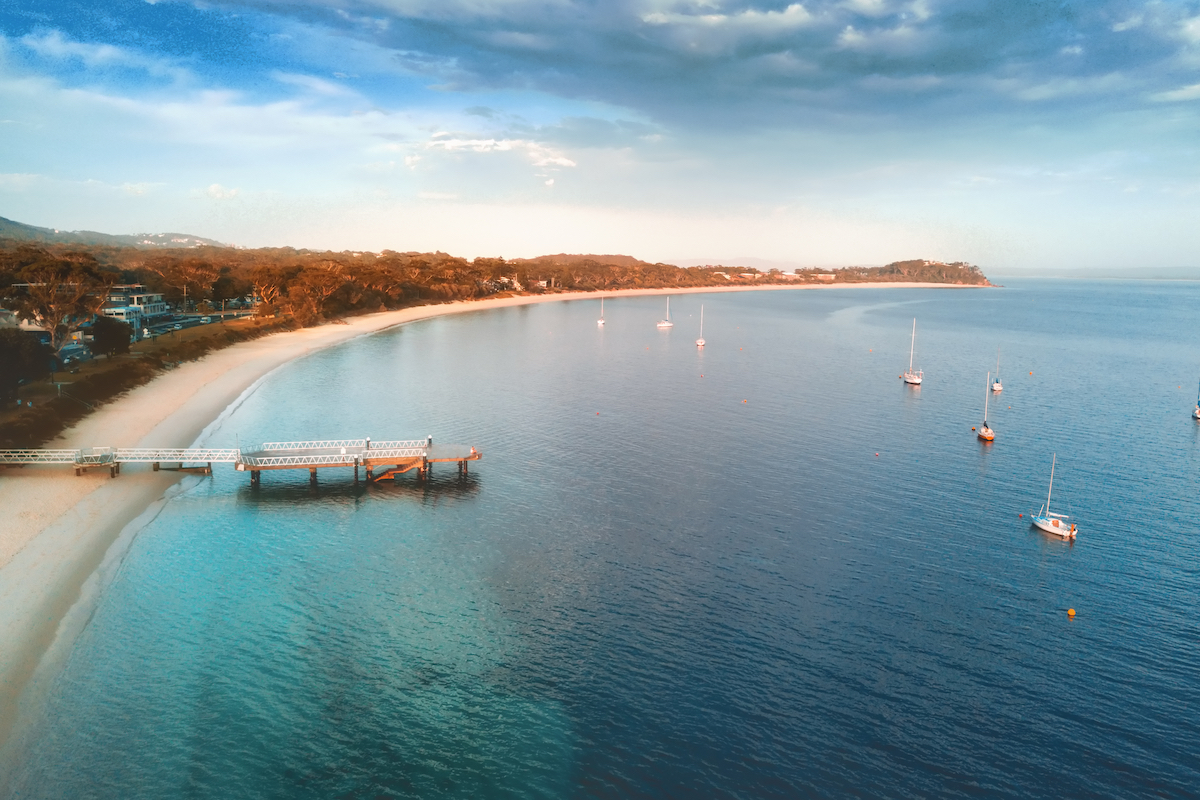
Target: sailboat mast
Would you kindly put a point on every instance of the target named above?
(1052, 462)
(912, 346)
(702, 321)
(997, 364)
(986, 394)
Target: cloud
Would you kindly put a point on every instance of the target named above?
(539, 154)
(1181, 94)
(218, 192)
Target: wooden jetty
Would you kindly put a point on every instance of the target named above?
(390, 457)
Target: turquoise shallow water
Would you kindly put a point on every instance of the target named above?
(683, 594)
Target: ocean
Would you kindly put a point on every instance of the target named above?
(763, 569)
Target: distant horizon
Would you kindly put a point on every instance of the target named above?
(1182, 273)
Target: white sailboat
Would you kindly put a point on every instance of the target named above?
(985, 433)
(996, 385)
(666, 323)
(1196, 412)
(1057, 524)
(600, 322)
(913, 377)
(700, 341)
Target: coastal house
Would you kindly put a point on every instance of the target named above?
(132, 304)
(825, 276)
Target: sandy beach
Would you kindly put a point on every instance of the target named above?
(57, 529)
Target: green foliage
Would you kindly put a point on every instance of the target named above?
(22, 358)
(58, 292)
(110, 336)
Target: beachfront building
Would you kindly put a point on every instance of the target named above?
(131, 303)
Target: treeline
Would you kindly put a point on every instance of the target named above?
(914, 271)
(309, 286)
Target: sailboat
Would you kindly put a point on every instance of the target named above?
(1196, 412)
(666, 323)
(996, 385)
(984, 432)
(1053, 523)
(910, 376)
(700, 341)
(600, 322)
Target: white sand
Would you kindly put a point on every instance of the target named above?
(55, 528)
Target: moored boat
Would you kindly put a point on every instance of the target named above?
(1057, 524)
(666, 323)
(985, 433)
(911, 376)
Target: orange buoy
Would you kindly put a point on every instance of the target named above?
(1070, 612)
(1031, 373)
(1020, 515)
(877, 455)
(972, 427)
(743, 401)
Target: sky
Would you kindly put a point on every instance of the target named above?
(1014, 135)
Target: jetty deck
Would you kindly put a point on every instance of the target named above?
(391, 457)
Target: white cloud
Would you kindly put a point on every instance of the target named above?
(53, 45)
(539, 154)
(313, 84)
(218, 192)
(1181, 94)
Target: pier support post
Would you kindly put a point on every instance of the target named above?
(156, 466)
(117, 466)
(206, 472)
(356, 473)
(254, 478)
(312, 475)
(370, 473)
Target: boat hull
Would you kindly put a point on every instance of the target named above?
(911, 379)
(986, 434)
(1054, 526)
(996, 387)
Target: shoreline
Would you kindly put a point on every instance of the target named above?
(59, 529)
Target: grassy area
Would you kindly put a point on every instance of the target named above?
(68, 396)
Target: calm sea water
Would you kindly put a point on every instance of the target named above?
(766, 569)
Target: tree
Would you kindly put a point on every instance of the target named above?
(193, 277)
(59, 294)
(110, 336)
(22, 358)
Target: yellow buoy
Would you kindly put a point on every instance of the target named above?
(1070, 612)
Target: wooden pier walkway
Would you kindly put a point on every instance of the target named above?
(389, 457)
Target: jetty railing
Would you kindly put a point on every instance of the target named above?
(39, 456)
(192, 455)
(394, 456)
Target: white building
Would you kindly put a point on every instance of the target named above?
(131, 303)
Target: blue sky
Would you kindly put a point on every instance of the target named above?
(1011, 134)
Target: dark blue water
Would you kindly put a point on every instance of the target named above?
(679, 573)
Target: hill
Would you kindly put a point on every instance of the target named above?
(19, 231)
